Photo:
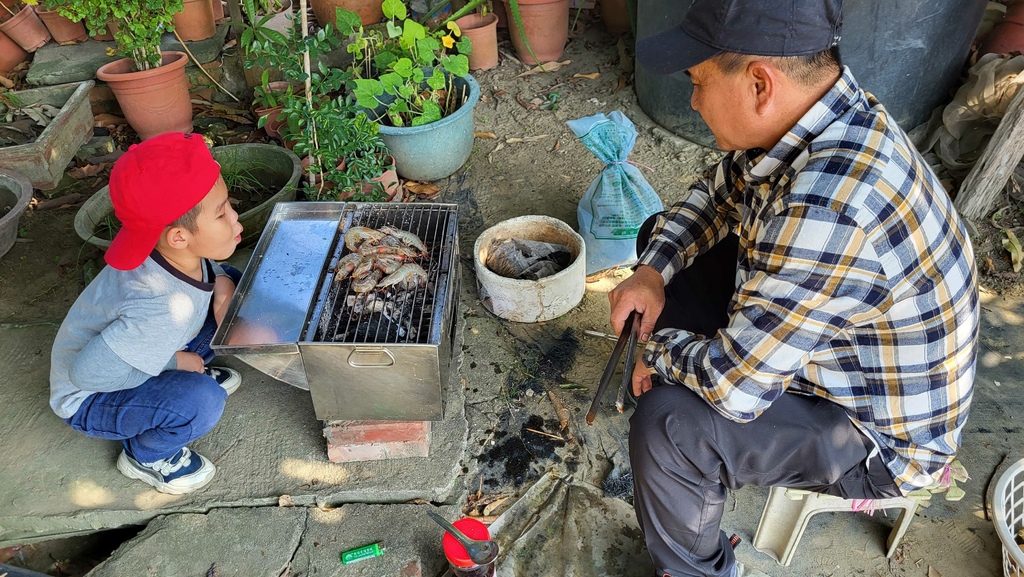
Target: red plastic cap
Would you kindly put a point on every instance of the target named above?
(454, 550)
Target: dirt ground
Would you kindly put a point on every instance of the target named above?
(524, 161)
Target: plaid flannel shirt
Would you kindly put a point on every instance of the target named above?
(856, 283)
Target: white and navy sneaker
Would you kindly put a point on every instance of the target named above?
(181, 473)
(228, 379)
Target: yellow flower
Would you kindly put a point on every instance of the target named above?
(448, 41)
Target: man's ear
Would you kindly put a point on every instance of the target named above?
(764, 85)
(176, 237)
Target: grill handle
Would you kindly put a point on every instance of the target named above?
(370, 357)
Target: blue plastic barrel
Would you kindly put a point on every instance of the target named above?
(908, 53)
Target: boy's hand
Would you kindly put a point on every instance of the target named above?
(223, 290)
(189, 362)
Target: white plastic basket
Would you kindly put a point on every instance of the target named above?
(1008, 516)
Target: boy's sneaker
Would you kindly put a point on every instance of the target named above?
(228, 379)
(741, 571)
(181, 473)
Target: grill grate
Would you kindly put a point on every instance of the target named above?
(390, 315)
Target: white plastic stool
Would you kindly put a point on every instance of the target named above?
(788, 511)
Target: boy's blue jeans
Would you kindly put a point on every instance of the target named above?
(166, 412)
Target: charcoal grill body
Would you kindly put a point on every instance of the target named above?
(290, 319)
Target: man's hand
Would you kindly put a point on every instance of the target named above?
(223, 290)
(644, 292)
(641, 376)
(189, 362)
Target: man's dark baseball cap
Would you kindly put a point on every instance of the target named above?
(761, 27)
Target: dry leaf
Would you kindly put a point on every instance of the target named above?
(933, 572)
(546, 67)
(489, 135)
(490, 159)
(104, 120)
(591, 76)
(493, 506)
(87, 171)
(498, 93)
(989, 266)
(558, 144)
(427, 189)
(525, 104)
(285, 501)
(1011, 244)
(622, 83)
(526, 139)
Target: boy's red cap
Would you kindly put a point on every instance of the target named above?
(151, 186)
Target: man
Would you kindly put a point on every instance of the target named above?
(810, 305)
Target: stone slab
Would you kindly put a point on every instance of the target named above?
(59, 483)
(55, 64)
(273, 541)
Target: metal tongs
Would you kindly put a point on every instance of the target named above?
(627, 342)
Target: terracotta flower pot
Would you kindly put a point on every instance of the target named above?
(26, 29)
(63, 30)
(1008, 35)
(274, 122)
(195, 21)
(109, 35)
(389, 179)
(483, 33)
(218, 10)
(615, 15)
(11, 54)
(546, 24)
(153, 101)
(369, 11)
(280, 21)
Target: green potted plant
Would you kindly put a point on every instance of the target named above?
(63, 30)
(420, 92)
(149, 85)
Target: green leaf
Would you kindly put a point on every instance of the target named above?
(417, 75)
(391, 81)
(431, 113)
(413, 31)
(464, 46)
(406, 91)
(347, 22)
(394, 9)
(403, 67)
(457, 64)
(436, 80)
(1011, 244)
(367, 91)
(384, 60)
(393, 31)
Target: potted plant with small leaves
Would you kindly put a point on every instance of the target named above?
(420, 92)
(63, 30)
(150, 85)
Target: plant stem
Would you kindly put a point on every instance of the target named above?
(194, 59)
(467, 9)
(434, 11)
(309, 89)
(9, 11)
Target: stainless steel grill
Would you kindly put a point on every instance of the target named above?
(383, 354)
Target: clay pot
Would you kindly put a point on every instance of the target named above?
(1008, 35)
(26, 29)
(11, 54)
(615, 15)
(218, 10)
(274, 122)
(389, 179)
(546, 25)
(369, 11)
(195, 21)
(153, 101)
(499, 11)
(280, 21)
(63, 30)
(483, 34)
(109, 36)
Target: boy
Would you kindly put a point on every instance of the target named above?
(129, 360)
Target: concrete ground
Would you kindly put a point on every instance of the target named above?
(278, 507)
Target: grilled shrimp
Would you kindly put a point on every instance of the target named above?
(407, 238)
(365, 266)
(357, 235)
(346, 265)
(408, 276)
(388, 264)
(367, 283)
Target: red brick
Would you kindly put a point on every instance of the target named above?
(349, 441)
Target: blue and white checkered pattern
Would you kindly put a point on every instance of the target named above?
(856, 282)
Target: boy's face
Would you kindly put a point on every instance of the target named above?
(217, 229)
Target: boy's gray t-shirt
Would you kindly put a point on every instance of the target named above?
(144, 316)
